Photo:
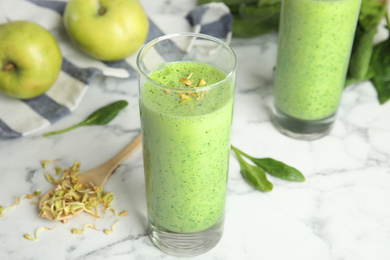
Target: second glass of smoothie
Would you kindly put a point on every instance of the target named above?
(314, 47)
(186, 86)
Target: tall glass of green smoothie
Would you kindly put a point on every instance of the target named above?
(186, 88)
(314, 47)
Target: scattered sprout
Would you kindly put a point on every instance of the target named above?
(36, 193)
(58, 169)
(109, 231)
(123, 213)
(45, 162)
(79, 231)
(49, 178)
(29, 237)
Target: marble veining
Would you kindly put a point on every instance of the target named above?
(341, 211)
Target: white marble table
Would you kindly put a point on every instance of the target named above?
(341, 212)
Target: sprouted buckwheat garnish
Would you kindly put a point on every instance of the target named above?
(58, 170)
(36, 193)
(79, 231)
(29, 237)
(192, 96)
(45, 162)
(187, 81)
(109, 231)
(123, 213)
(70, 197)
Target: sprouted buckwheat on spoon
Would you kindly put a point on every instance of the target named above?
(70, 197)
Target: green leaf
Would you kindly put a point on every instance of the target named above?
(227, 2)
(257, 20)
(260, 14)
(380, 61)
(361, 53)
(279, 169)
(269, 2)
(243, 28)
(370, 73)
(102, 116)
(371, 13)
(253, 175)
(383, 89)
(276, 168)
(105, 114)
(380, 64)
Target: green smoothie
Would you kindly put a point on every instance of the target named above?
(315, 41)
(186, 145)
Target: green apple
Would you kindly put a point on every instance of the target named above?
(30, 59)
(107, 30)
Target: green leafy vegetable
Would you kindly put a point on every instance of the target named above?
(361, 54)
(251, 20)
(260, 13)
(380, 64)
(252, 17)
(228, 2)
(277, 168)
(243, 28)
(371, 13)
(256, 175)
(102, 116)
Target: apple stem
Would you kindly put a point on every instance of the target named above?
(102, 10)
(8, 66)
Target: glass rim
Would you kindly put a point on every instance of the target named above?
(187, 34)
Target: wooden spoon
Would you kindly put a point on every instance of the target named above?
(97, 176)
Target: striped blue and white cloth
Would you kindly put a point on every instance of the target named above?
(22, 117)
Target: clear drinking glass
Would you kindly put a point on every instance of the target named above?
(314, 47)
(186, 86)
